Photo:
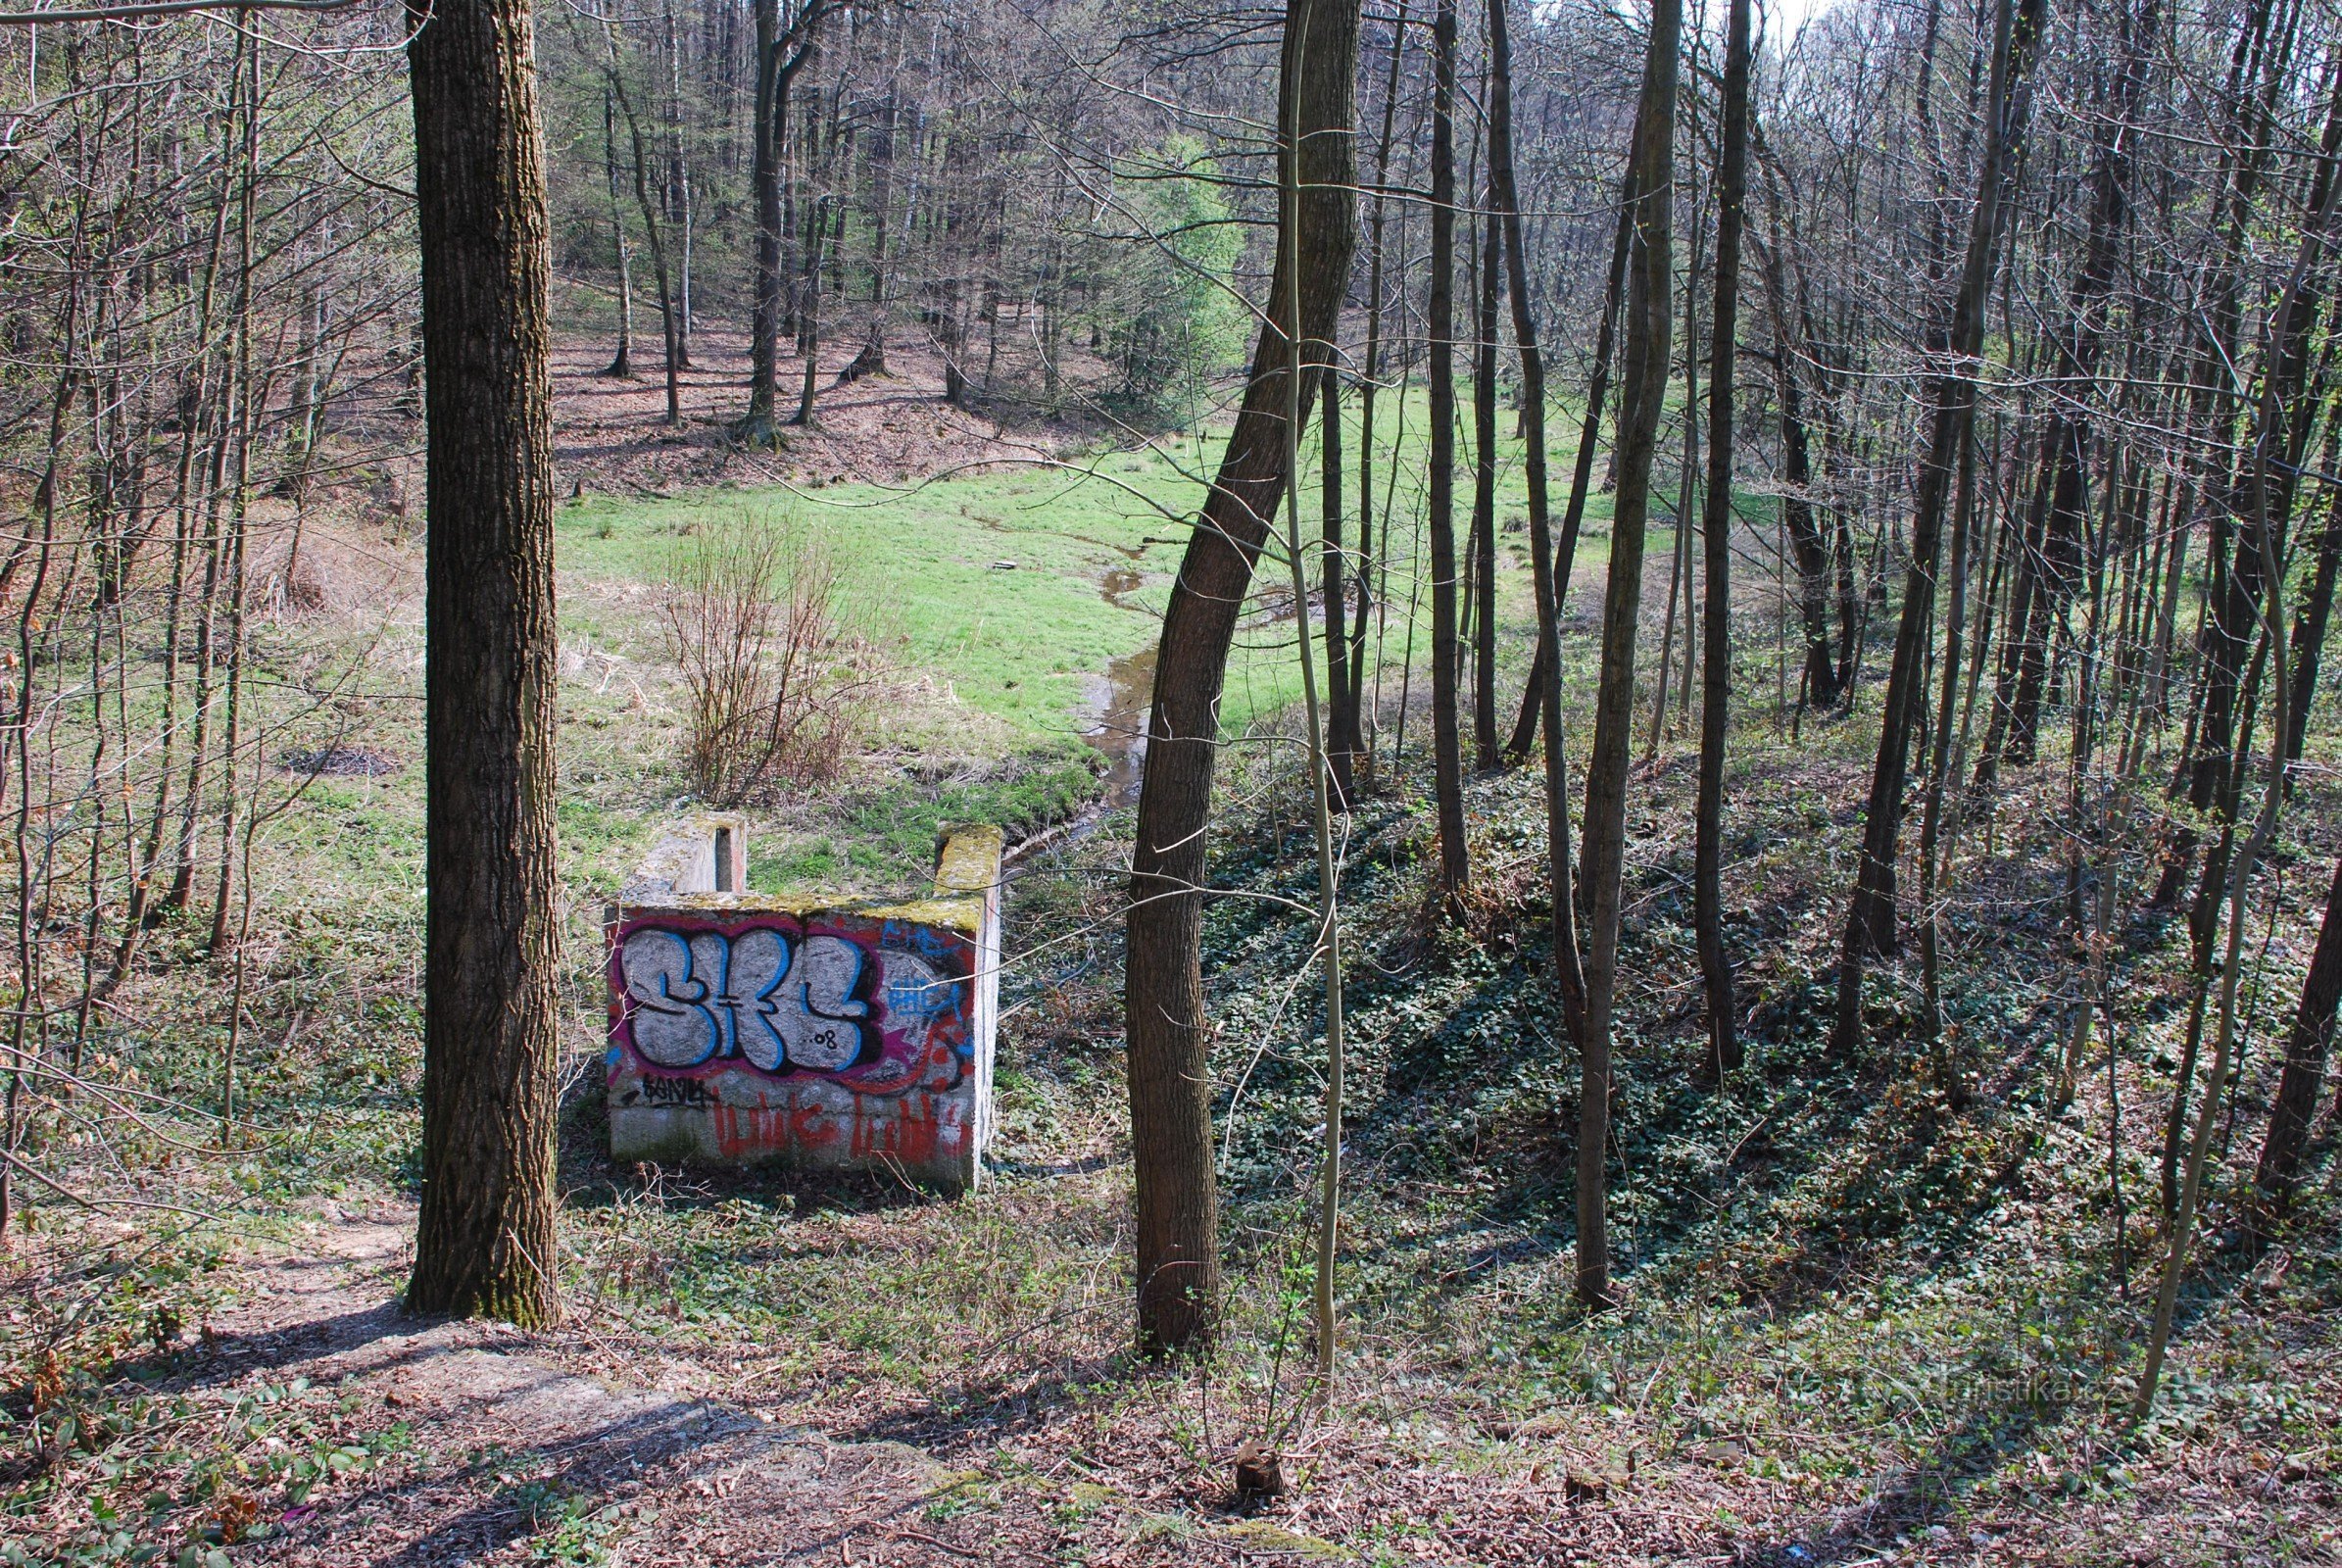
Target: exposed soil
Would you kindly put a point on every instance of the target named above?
(612, 435)
(514, 1452)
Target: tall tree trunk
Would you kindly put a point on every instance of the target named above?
(1362, 723)
(1483, 499)
(1678, 564)
(1643, 398)
(1456, 859)
(1951, 395)
(621, 359)
(677, 192)
(1569, 967)
(1716, 526)
(1168, 1058)
(2221, 635)
(2246, 584)
(780, 55)
(670, 321)
(492, 964)
(808, 316)
(2065, 453)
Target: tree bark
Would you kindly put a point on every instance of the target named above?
(780, 55)
(1590, 432)
(670, 321)
(1716, 523)
(1484, 501)
(1643, 397)
(2078, 350)
(1342, 719)
(2306, 1048)
(1871, 912)
(1447, 764)
(1362, 724)
(1168, 1060)
(1569, 967)
(621, 361)
(2309, 624)
(491, 978)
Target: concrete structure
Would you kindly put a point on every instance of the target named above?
(810, 1031)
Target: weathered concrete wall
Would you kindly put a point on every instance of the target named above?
(815, 1032)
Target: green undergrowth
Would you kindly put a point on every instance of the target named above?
(1829, 1274)
(1834, 1281)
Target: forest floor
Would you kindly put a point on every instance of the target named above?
(610, 434)
(1860, 1324)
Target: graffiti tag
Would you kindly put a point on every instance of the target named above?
(662, 1091)
(817, 1004)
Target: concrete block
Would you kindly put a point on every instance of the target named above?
(809, 1031)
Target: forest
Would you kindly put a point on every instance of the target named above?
(1650, 678)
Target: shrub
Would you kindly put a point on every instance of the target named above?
(775, 681)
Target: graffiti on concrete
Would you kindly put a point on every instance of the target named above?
(828, 1034)
(862, 1007)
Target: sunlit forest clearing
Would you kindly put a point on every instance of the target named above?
(454, 477)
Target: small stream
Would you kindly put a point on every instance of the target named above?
(1117, 706)
(1122, 698)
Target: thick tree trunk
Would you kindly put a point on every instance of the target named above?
(1168, 1058)
(766, 129)
(1643, 397)
(491, 974)
(780, 56)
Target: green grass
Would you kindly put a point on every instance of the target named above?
(990, 587)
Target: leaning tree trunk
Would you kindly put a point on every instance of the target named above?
(1643, 395)
(1871, 913)
(491, 968)
(1504, 196)
(1598, 387)
(1168, 1060)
